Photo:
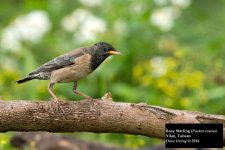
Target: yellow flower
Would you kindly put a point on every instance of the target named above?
(2, 142)
(141, 142)
(168, 88)
(195, 80)
(146, 80)
(171, 63)
(185, 102)
(137, 71)
(179, 53)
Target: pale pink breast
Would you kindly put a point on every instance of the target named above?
(72, 73)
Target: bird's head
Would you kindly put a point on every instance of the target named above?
(104, 49)
(101, 51)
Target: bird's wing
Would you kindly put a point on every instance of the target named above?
(60, 62)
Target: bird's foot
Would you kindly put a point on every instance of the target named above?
(56, 104)
(82, 94)
(89, 98)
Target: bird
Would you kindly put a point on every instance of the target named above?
(72, 66)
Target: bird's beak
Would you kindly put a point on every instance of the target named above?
(114, 52)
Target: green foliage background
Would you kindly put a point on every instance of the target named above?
(180, 68)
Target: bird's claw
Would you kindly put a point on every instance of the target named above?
(90, 98)
(57, 105)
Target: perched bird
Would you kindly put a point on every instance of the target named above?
(72, 66)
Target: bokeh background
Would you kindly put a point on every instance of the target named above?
(174, 53)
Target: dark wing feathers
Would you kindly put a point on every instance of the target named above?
(57, 63)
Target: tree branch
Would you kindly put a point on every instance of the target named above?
(99, 116)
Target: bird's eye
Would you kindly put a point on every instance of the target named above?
(105, 49)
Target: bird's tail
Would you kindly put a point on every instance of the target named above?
(28, 78)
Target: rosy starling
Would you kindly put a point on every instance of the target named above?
(72, 66)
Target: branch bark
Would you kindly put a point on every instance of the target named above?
(99, 116)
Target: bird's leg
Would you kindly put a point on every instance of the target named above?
(80, 93)
(50, 86)
(54, 99)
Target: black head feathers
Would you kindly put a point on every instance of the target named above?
(105, 46)
(101, 51)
